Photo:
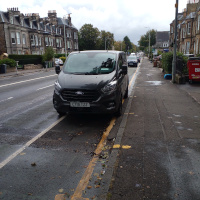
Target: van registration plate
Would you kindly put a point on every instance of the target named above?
(79, 104)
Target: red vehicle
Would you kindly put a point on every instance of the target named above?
(193, 65)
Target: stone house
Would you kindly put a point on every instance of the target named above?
(188, 29)
(30, 34)
(162, 41)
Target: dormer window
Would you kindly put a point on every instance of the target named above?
(60, 31)
(45, 27)
(11, 20)
(38, 26)
(22, 22)
(31, 24)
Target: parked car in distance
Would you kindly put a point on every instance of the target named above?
(138, 58)
(92, 82)
(58, 61)
(132, 61)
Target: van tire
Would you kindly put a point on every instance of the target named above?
(126, 93)
(61, 113)
(119, 110)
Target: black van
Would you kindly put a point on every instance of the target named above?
(92, 82)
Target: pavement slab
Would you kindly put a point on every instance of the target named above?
(163, 130)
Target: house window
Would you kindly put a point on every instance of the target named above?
(32, 40)
(31, 24)
(172, 29)
(184, 33)
(60, 31)
(189, 28)
(18, 38)
(197, 46)
(40, 41)
(68, 44)
(14, 52)
(19, 52)
(11, 20)
(75, 35)
(38, 26)
(198, 25)
(13, 40)
(36, 40)
(46, 41)
(24, 39)
(187, 47)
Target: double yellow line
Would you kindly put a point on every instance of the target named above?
(88, 172)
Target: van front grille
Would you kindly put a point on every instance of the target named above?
(80, 95)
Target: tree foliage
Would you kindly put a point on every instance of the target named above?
(144, 39)
(88, 37)
(127, 42)
(49, 54)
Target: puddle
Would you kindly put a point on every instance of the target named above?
(155, 82)
(180, 128)
(177, 115)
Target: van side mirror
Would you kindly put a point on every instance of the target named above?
(124, 68)
(57, 69)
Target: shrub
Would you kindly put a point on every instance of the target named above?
(58, 55)
(8, 61)
(167, 59)
(49, 54)
(27, 59)
(63, 59)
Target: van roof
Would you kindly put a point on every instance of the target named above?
(109, 51)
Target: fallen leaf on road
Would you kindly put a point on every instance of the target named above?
(21, 154)
(61, 190)
(97, 186)
(77, 172)
(89, 187)
(33, 164)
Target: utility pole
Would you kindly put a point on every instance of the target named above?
(64, 35)
(175, 45)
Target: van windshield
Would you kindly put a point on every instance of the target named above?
(90, 63)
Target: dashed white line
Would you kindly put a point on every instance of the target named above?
(27, 80)
(6, 99)
(6, 161)
(45, 87)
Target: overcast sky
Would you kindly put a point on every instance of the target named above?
(121, 17)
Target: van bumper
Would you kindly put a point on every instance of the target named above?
(105, 104)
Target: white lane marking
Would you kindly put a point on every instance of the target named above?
(27, 80)
(6, 161)
(6, 99)
(45, 87)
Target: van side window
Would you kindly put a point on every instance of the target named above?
(120, 61)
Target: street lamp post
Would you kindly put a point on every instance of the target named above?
(64, 35)
(149, 41)
(175, 45)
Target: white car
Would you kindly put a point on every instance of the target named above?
(58, 61)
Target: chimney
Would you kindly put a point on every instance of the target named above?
(69, 19)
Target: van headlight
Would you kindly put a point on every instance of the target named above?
(110, 87)
(57, 87)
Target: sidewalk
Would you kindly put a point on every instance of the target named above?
(163, 131)
(23, 72)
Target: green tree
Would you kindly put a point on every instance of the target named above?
(49, 54)
(128, 45)
(106, 40)
(144, 40)
(88, 37)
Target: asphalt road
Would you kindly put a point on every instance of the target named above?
(43, 156)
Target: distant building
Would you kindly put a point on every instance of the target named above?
(162, 42)
(188, 29)
(30, 34)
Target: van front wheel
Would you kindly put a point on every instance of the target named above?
(119, 110)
